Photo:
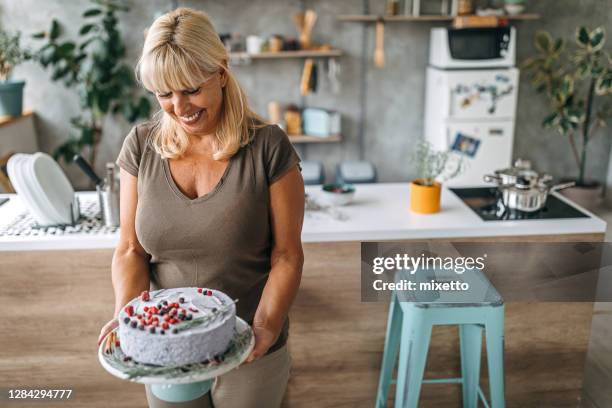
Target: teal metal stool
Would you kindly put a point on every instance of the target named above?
(411, 318)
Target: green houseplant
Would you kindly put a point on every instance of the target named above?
(11, 91)
(94, 66)
(578, 85)
(433, 167)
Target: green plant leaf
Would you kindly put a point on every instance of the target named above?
(86, 28)
(567, 85)
(87, 137)
(559, 46)
(55, 30)
(583, 69)
(597, 38)
(39, 35)
(582, 36)
(92, 12)
(543, 41)
(603, 86)
(144, 107)
(549, 120)
(65, 49)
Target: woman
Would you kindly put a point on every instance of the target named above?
(211, 197)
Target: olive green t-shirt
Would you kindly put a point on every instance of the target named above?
(221, 240)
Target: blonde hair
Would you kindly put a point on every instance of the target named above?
(181, 51)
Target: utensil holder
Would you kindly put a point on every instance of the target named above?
(108, 196)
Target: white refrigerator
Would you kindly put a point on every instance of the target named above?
(472, 113)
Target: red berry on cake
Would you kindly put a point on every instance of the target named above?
(199, 290)
(144, 296)
(129, 310)
(165, 326)
(146, 308)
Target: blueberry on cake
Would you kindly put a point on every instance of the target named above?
(173, 327)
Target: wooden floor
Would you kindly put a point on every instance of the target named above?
(55, 303)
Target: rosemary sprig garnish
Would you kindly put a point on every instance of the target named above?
(204, 319)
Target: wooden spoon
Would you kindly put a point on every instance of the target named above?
(379, 51)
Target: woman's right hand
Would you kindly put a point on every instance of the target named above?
(107, 328)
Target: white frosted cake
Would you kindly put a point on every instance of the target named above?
(173, 327)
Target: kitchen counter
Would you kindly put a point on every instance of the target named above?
(379, 212)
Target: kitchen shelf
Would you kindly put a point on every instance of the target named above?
(371, 18)
(315, 139)
(287, 54)
(7, 120)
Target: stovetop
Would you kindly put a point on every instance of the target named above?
(484, 201)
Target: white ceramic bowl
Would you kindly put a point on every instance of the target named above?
(514, 9)
(337, 194)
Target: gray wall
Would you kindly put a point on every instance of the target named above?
(395, 94)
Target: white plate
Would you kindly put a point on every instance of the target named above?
(37, 195)
(16, 168)
(53, 187)
(235, 358)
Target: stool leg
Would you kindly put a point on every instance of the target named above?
(495, 356)
(470, 338)
(413, 358)
(392, 339)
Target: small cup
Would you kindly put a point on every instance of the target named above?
(253, 44)
(275, 44)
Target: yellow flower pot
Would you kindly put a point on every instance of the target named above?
(424, 199)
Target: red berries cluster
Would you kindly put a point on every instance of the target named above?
(159, 317)
(206, 292)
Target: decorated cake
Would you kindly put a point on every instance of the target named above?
(173, 327)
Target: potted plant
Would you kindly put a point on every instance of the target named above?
(11, 91)
(433, 167)
(578, 86)
(93, 65)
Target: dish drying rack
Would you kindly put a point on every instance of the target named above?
(89, 222)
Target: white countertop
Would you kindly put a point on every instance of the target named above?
(379, 212)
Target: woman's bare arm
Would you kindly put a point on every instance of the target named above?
(287, 216)
(130, 268)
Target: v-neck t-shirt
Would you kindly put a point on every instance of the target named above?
(221, 240)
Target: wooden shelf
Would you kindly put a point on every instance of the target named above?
(371, 18)
(287, 54)
(7, 120)
(314, 139)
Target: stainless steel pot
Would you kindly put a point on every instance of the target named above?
(521, 169)
(523, 197)
(522, 188)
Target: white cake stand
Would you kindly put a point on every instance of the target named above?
(180, 384)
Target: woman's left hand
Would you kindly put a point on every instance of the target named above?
(264, 339)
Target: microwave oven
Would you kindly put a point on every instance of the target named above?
(482, 47)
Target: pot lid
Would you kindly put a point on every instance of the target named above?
(521, 168)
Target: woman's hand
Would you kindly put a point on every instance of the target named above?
(108, 327)
(264, 339)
